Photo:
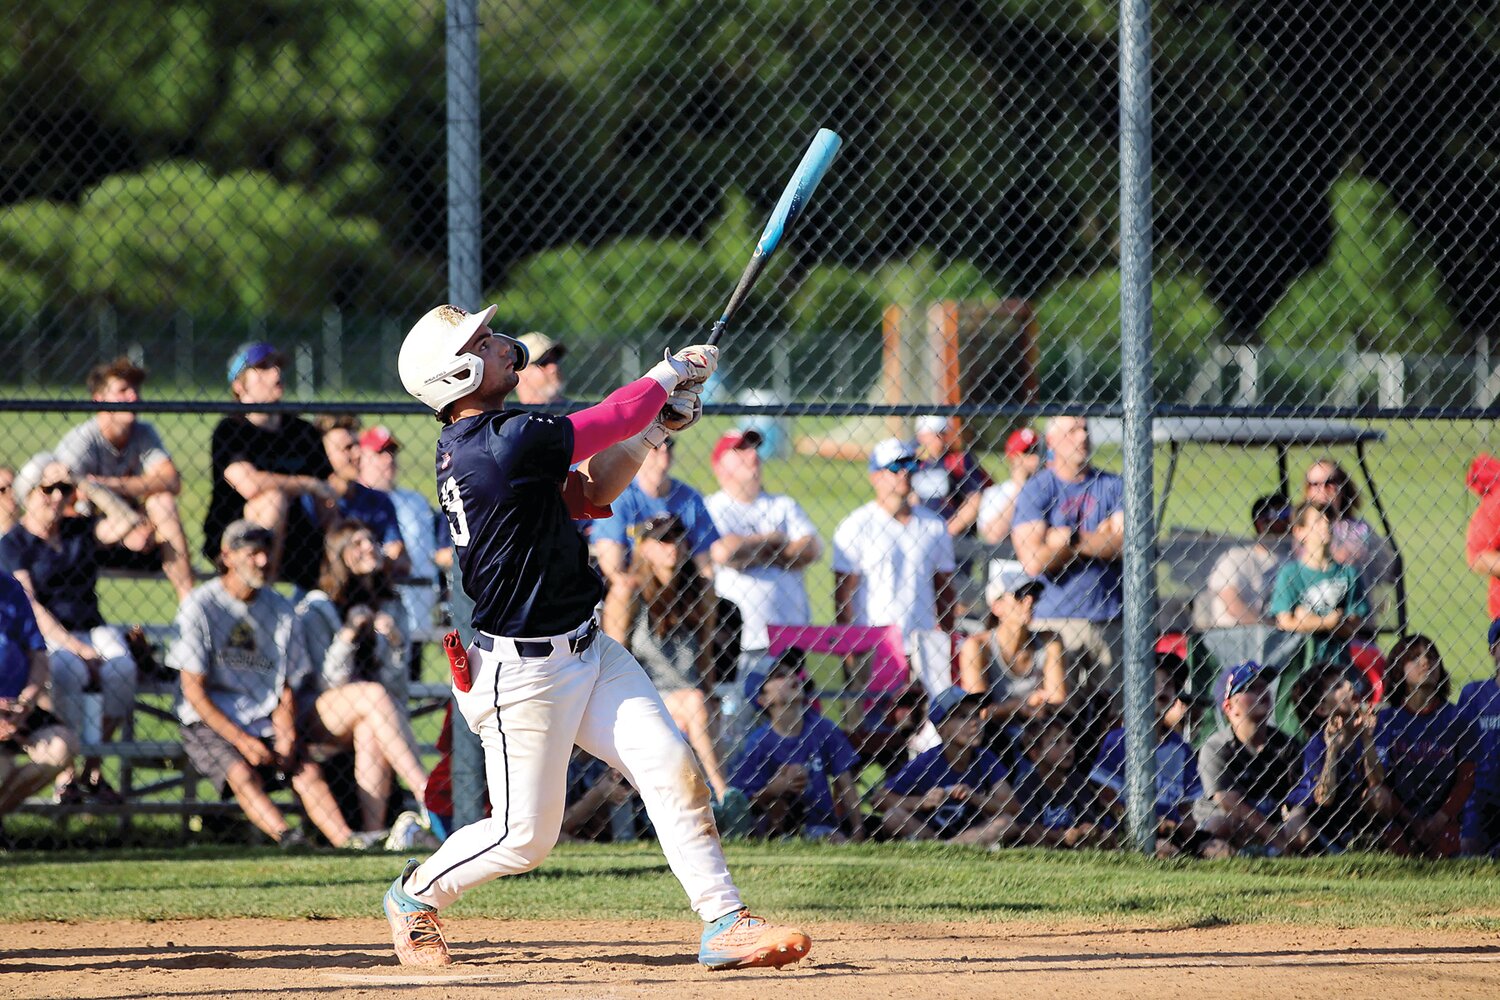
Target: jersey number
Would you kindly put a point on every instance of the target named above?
(453, 508)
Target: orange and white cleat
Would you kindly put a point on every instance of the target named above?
(415, 928)
(740, 940)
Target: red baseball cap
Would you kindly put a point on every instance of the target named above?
(1020, 441)
(735, 441)
(379, 438)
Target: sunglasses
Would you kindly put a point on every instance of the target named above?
(1320, 482)
(61, 489)
(906, 465)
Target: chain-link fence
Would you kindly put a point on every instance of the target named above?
(872, 514)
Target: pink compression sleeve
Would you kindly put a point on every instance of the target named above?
(623, 413)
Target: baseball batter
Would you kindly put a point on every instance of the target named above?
(543, 677)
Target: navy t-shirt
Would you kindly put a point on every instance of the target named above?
(1074, 802)
(525, 564)
(19, 637)
(1480, 705)
(821, 748)
(930, 769)
(63, 578)
(1421, 754)
(373, 508)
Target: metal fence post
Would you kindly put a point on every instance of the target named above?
(1136, 397)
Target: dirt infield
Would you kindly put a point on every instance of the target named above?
(339, 959)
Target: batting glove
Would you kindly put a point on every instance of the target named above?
(683, 409)
(688, 367)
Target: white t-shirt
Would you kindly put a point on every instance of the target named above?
(896, 563)
(766, 595)
(995, 499)
(1251, 573)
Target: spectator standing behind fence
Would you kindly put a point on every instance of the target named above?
(997, 504)
(1354, 541)
(1479, 703)
(427, 538)
(124, 455)
(951, 787)
(1068, 529)
(240, 655)
(1482, 545)
(541, 382)
(1249, 769)
(765, 542)
(798, 769)
(263, 465)
(352, 499)
(1426, 747)
(1316, 596)
(1242, 580)
(651, 493)
(55, 557)
(673, 615)
(27, 725)
(1340, 765)
(948, 480)
(355, 695)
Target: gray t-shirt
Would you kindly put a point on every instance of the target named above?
(246, 652)
(85, 450)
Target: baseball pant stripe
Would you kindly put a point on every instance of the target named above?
(505, 814)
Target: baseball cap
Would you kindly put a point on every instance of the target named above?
(258, 354)
(932, 423)
(379, 438)
(890, 451)
(791, 660)
(949, 701)
(736, 441)
(663, 528)
(1022, 440)
(1241, 676)
(1007, 577)
(243, 533)
(541, 348)
(1495, 631)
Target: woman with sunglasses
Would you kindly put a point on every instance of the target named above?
(1355, 542)
(53, 551)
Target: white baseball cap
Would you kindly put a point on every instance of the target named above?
(1008, 577)
(891, 450)
(932, 423)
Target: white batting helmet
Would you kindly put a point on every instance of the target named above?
(431, 367)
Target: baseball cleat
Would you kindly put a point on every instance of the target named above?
(415, 928)
(740, 940)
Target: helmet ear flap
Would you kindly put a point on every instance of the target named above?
(523, 354)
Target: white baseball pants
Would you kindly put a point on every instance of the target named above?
(529, 712)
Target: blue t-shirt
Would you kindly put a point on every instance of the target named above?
(372, 508)
(1421, 754)
(1074, 802)
(821, 748)
(1177, 783)
(63, 579)
(635, 506)
(1087, 588)
(499, 481)
(1480, 704)
(930, 769)
(19, 637)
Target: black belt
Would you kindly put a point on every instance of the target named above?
(540, 647)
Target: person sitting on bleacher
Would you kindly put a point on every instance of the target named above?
(1240, 584)
(1316, 595)
(27, 726)
(240, 654)
(352, 499)
(355, 695)
(54, 555)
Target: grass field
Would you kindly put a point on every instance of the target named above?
(811, 883)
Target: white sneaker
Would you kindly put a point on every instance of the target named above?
(409, 832)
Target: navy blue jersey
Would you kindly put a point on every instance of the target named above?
(525, 565)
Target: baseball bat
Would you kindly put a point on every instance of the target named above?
(799, 191)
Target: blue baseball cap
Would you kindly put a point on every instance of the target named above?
(791, 660)
(1495, 631)
(955, 697)
(255, 355)
(1241, 676)
(891, 451)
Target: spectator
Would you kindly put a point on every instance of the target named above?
(240, 655)
(1354, 543)
(55, 557)
(1483, 543)
(948, 480)
(1480, 704)
(27, 725)
(1249, 770)
(1340, 764)
(1068, 528)
(673, 615)
(1055, 804)
(426, 537)
(892, 559)
(355, 694)
(263, 465)
(353, 500)
(797, 769)
(117, 452)
(1240, 584)
(1425, 746)
(653, 492)
(997, 504)
(1315, 595)
(9, 506)
(602, 807)
(952, 787)
(1021, 672)
(765, 542)
(541, 382)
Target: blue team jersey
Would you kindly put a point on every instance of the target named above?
(1480, 704)
(1421, 754)
(372, 508)
(19, 637)
(1072, 803)
(634, 507)
(821, 747)
(525, 565)
(1177, 783)
(930, 769)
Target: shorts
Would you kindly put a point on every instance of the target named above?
(212, 755)
(34, 723)
(1095, 650)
